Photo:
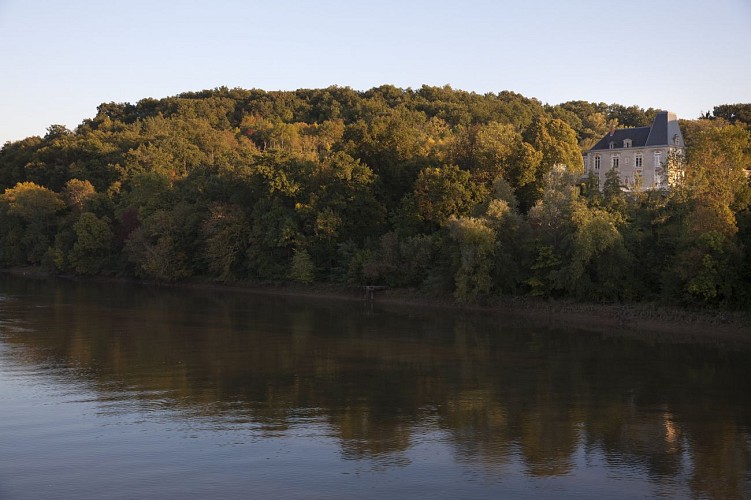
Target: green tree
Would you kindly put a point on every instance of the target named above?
(613, 197)
(734, 113)
(164, 246)
(393, 143)
(31, 202)
(552, 228)
(557, 143)
(37, 208)
(441, 192)
(225, 234)
(511, 259)
(476, 241)
(76, 192)
(340, 191)
(556, 140)
(717, 184)
(598, 263)
(495, 150)
(92, 249)
(302, 268)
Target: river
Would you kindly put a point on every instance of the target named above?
(120, 391)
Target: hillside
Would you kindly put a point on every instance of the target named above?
(436, 189)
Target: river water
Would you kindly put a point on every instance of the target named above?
(124, 391)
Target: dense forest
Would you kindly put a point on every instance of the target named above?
(434, 189)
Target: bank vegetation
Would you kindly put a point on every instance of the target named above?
(438, 191)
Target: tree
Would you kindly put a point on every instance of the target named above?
(148, 192)
(225, 234)
(734, 113)
(439, 188)
(589, 120)
(613, 197)
(597, 265)
(274, 233)
(76, 192)
(302, 268)
(441, 192)
(93, 245)
(393, 143)
(32, 202)
(557, 143)
(551, 215)
(551, 223)
(511, 240)
(36, 207)
(339, 190)
(476, 247)
(14, 156)
(164, 246)
(717, 188)
(718, 166)
(556, 140)
(495, 150)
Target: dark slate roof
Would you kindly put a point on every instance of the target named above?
(638, 136)
(659, 134)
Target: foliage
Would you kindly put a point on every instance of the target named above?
(93, 245)
(31, 202)
(432, 188)
(225, 235)
(302, 268)
(734, 113)
(35, 210)
(476, 244)
(445, 191)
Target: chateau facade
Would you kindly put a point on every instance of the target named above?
(640, 154)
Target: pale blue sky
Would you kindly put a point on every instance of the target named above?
(59, 59)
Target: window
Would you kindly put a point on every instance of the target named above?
(616, 160)
(612, 145)
(626, 143)
(658, 159)
(638, 160)
(597, 163)
(676, 141)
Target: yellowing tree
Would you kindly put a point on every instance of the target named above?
(31, 201)
(36, 207)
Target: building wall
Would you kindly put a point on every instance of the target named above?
(651, 172)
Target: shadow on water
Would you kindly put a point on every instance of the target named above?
(385, 378)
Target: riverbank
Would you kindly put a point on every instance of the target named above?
(639, 318)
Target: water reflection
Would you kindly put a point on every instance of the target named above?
(387, 380)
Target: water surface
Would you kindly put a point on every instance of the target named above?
(125, 391)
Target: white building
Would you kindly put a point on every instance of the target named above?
(639, 154)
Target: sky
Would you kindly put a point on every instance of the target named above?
(60, 59)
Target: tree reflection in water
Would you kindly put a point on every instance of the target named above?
(380, 380)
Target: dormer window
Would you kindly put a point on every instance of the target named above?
(612, 144)
(626, 143)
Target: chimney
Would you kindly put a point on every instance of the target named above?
(612, 129)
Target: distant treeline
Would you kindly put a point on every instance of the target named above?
(436, 189)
